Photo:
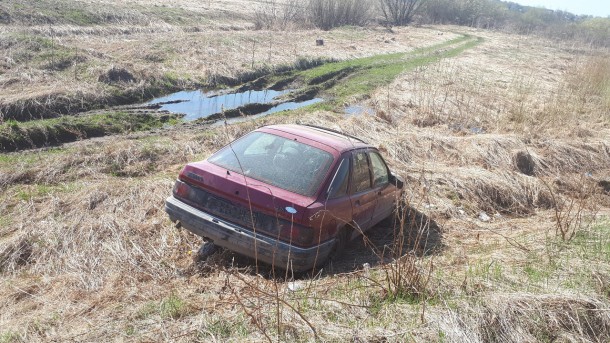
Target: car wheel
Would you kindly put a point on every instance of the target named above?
(206, 249)
(341, 241)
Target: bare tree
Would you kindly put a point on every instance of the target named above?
(326, 14)
(399, 12)
(273, 15)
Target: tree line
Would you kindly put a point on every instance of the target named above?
(488, 14)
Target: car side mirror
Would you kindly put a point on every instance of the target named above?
(396, 180)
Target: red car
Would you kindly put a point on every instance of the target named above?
(288, 195)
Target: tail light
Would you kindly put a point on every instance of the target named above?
(294, 233)
(285, 230)
(182, 190)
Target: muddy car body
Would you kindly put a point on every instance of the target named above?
(287, 195)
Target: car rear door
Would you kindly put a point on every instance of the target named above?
(362, 197)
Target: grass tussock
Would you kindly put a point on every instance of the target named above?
(130, 158)
(593, 80)
(554, 318)
(524, 317)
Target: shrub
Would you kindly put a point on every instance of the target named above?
(270, 15)
(327, 14)
(399, 12)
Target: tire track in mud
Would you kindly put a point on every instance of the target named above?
(339, 81)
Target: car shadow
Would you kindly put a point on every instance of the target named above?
(389, 240)
(411, 232)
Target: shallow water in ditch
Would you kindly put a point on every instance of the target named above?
(198, 104)
(281, 107)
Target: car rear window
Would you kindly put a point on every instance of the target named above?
(275, 160)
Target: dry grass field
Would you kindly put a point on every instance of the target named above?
(505, 147)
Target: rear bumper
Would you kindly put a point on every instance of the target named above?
(244, 241)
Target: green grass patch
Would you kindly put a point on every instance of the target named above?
(173, 15)
(377, 71)
(593, 244)
(9, 337)
(578, 265)
(359, 77)
(48, 132)
(378, 302)
(5, 221)
(149, 309)
(10, 160)
(130, 330)
(556, 265)
(223, 329)
(29, 192)
(537, 274)
(377, 60)
(172, 307)
(43, 53)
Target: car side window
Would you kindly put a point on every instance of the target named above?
(338, 187)
(380, 170)
(361, 178)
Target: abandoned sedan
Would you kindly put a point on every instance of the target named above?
(288, 195)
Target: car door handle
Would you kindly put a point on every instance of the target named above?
(357, 202)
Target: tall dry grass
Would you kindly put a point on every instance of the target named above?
(540, 97)
(592, 79)
(87, 253)
(86, 242)
(525, 317)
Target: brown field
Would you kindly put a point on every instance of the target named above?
(505, 149)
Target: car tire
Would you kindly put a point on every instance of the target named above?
(206, 249)
(341, 241)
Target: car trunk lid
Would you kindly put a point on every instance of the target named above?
(233, 195)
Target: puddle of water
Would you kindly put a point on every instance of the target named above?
(198, 104)
(291, 105)
(287, 106)
(356, 110)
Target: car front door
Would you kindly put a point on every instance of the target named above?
(362, 197)
(385, 192)
(337, 203)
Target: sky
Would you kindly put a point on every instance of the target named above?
(600, 8)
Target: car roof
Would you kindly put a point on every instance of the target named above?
(332, 138)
